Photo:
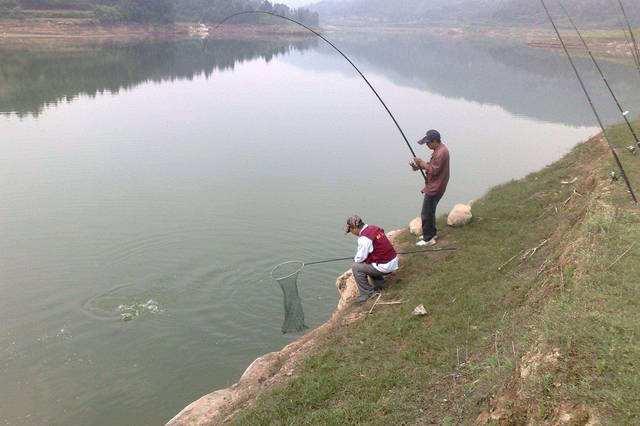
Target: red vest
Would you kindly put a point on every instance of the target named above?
(383, 252)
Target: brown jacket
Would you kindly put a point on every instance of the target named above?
(437, 171)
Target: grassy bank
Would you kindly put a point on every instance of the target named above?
(535, 318)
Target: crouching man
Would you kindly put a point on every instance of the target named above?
(374, 259)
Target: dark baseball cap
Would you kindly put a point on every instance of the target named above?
(432, 135)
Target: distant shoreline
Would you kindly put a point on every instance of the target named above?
(605, 43)
(52, 33)
(66, 32)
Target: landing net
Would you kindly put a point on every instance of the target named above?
(287, 275)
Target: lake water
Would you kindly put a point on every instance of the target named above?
(165, 180)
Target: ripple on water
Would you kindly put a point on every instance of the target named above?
(125, 302)
(202, 284)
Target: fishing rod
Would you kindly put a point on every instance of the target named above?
(402, 254)
(593, 108)
(635, 50)
(627, 39)
(624, 112)
(375, 92)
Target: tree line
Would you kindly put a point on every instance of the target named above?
(215, 11)
(161, 11)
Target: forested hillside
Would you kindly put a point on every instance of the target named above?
(155, 11)
(216, 10)
(505, 12)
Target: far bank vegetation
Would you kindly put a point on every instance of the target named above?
(150, 11)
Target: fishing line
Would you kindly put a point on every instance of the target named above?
(627, 39)
(375, 92)
(606, 82)
(593, 108)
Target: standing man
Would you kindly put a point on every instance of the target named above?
(437, 171)
(375, 257)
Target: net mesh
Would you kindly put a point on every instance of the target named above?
(287, 275)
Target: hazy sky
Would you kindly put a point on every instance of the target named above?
(295, 3)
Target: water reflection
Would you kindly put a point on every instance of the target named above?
(30, 81)
(533, 83)
(527, 82)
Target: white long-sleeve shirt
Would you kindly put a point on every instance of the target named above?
(365, 248)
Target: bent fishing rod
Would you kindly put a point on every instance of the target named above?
(593, 108)
(624, 112)
(375, 92)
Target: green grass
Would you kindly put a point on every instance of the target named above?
(455, 363)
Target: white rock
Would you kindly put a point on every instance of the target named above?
(460, 215)
(416, 226)
(419, 311)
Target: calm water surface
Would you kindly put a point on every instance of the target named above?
(165, 180)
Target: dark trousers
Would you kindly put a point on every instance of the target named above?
(428, 216)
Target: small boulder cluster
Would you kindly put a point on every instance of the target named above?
(459, 216)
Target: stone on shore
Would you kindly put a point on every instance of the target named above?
(460, 215)
(415, 226)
